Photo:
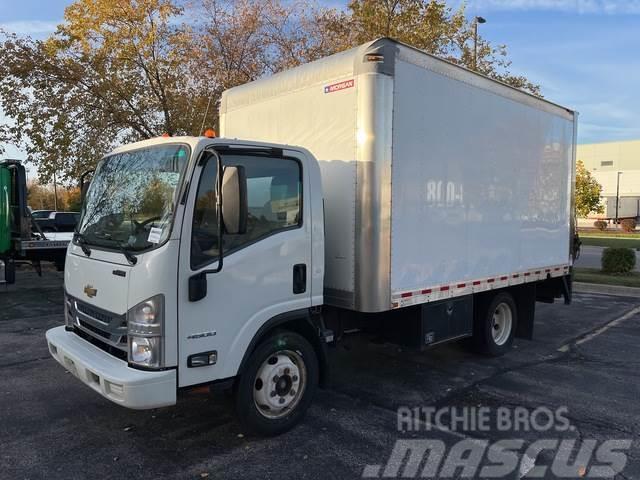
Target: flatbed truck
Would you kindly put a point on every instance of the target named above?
(21, 239)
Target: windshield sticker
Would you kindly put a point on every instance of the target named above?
(154, 235)
(339, 86)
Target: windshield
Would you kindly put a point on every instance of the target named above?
(132, 197)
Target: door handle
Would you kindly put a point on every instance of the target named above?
(299, 278)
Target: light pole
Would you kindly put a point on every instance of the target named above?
(617, 196)
(55, 192)
(476, 21)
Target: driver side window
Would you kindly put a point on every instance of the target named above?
(274, 197)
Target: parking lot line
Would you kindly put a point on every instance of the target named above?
(591, 335)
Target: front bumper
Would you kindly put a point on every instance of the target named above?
(109, 376)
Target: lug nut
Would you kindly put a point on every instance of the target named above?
(286, 371)
(273, 393)
(281, 400)
(295, 378)
(275, 379)
(292, 392)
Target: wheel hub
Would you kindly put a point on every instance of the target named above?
(279, 384)
(502, 323)
(283, 385)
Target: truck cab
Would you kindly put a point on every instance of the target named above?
(179, 275)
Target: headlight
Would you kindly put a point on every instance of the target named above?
(145, 324)
(145, 351)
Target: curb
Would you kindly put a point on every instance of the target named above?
(599, 288)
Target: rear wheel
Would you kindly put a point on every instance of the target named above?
(495, 324)
(278, 385)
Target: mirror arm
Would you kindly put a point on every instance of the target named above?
(84, 175)
(218, 268)
(220, 223)
(198, 282)
(83, 190)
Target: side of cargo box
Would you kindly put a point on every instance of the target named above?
(452, 188)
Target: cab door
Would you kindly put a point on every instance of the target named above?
(265, 270)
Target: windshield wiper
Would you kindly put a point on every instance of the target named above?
(82, 241)
(131, 258)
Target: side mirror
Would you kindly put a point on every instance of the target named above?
(197, 287)
(234, 200)
(84, 184)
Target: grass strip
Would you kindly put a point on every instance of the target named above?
(595, 275)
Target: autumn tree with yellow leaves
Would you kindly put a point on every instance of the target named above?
(117, 71)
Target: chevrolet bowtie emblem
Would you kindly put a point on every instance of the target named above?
(90, 291)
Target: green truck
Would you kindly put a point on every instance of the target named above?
(21, 240)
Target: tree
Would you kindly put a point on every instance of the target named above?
(430, 25)
(118, 71)
(71, 199)
(243, 40)
(114, 72)
(39, 197)
(588, 192)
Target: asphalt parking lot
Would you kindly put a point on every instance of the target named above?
(585, 357)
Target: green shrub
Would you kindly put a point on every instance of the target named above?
(628, 225)
(600, 225)
(618, 260)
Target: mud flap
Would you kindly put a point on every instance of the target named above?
(525, 297)
(567, 287)
(552, 288)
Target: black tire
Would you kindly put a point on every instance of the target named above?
(483, 324)
(9, 271)
(249, 414)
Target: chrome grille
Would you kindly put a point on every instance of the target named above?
(110, 330)
(91, 311)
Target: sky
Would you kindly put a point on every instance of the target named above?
(585, 54)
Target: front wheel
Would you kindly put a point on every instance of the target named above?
(495, 325)
(278, 384)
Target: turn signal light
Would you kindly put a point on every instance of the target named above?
(374, 57)
(202, 359)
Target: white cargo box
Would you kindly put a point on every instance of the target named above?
(437, 181)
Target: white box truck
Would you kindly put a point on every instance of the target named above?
(620, 194)
(380, 187)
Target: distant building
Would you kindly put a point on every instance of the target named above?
(616, 166)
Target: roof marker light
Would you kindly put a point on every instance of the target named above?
(374, 57)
